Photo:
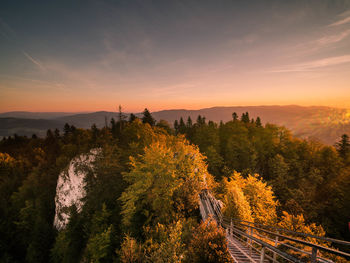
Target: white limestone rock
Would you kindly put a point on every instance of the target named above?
(70, 187)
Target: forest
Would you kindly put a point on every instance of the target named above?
(141, 202)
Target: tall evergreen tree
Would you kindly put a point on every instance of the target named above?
(57, 133)
(258, 122)
(182, 126)
(121, 116)
(132, 117)
(147, 118)
(343, 147)
(234, 116)
(66, 129)
(189, 122)
(199, 120)
(176, 126)
(245, 117)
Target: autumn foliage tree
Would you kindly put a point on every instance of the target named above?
(235, 204)
(250, 199)
(164, 183)
(208, 244)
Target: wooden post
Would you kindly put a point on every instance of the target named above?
(314, 255)
(249, 230)
(274, 253)
(262, 255)
(250, 241)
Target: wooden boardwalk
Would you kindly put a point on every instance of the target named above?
(242, 253)
(255, 243)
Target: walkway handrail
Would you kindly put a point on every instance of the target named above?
(327, 239)
(264, 244)
(329, 250)
(237, 229)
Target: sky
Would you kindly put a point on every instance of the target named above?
(97, 54)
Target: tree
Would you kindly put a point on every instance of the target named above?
(164, 243)
(279, 177)
(258, 122)
(234, 116)
(343, 147)
(99, 246)
(132, 117)
(297, 223)
(66, 129)
(200, 120)
(131, 251)
(236, 205)
(164, 125)
(182, 126)
(147, 118)
(95, 132)
(245, 117)
(189, 122)
(121, 120)
(121, 116)
(176, 126)
(164, 183)
(208, 244)
(260, 197)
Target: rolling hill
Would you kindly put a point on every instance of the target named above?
(324, 123)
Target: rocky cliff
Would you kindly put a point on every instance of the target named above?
(70, 188)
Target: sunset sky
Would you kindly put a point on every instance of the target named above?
(95, 55)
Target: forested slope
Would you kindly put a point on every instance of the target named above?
(141, 202)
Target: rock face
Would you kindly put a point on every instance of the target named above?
(70, 187)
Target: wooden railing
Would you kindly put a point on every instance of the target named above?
(272, 243)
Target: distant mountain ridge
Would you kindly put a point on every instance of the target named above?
(324, 123)
(34, 115)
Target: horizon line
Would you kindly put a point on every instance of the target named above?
(177, 109)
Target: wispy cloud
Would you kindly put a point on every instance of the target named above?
(333, 38)
(6, 30)
(345, 18)
(312, 65)
(341, 21)
(34, 61)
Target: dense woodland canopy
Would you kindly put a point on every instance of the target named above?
(142, 200)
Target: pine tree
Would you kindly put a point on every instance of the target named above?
(176, 126)
(147, 118)
(343, 147)
(234, 116)
(94, 132)
(121, 116)
(199, 120)
(258, 122)
(66, 129)
(57, 133)
(182, 126)
(132, 117)
(189, 122)
(245, 117)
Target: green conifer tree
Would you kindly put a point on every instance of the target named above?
(147, 118)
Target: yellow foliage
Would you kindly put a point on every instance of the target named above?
(297, 224)
(235, 204)
(259, 195)
(164, 243)
(208, 244)
(6, 160)
(130, 251)
(165, 181)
